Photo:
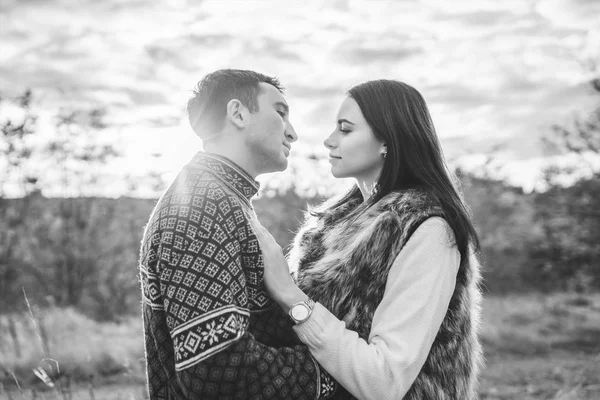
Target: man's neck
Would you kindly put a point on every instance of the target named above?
(235, 152)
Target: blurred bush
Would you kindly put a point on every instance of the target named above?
(79, 252)
(87, 257)
(567, 255)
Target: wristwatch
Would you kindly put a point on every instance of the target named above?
(301, 311)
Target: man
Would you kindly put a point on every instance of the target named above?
(210, 329)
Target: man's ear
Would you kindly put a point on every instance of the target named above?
(237, 113)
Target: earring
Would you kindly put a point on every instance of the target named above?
(375, 189)
(384, 154)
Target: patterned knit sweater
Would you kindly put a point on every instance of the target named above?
(210, 329)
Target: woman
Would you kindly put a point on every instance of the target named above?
(390, 265)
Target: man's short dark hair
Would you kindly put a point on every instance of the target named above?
(208, 107)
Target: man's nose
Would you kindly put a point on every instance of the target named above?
(290, 133)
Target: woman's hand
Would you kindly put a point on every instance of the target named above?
(278, 281)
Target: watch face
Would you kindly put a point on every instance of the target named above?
(300, 312)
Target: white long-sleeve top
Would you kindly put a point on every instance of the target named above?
(416, 298)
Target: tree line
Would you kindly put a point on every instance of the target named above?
(82, 250)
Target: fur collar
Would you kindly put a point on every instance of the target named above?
(343, 260)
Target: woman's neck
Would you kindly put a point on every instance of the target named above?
(366, 187)
(367, 182)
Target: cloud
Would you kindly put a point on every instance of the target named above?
(323, 113)
(141, 97)
(488, 18)
(277, 49)
(492, 72)
(477, 18)
(366, 54)
(26, 76)
(317, 89)
(374, 49)
(576, 14)
(165, 122)
(459, 95)
(209, 40)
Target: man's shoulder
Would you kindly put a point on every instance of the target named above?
(200, 187)
(219, 194)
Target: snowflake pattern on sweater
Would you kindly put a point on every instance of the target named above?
(211, 331)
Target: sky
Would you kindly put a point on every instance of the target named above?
(495, 74)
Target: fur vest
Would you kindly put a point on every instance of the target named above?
(343, 264)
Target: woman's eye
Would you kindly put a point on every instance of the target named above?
(282, 113)
(344, 130)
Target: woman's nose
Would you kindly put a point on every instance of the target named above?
(329, 143)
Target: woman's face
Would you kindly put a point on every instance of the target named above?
(354, 152)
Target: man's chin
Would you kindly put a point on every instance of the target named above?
(278, 166)
(282, 165)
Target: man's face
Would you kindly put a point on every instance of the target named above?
(270, 133)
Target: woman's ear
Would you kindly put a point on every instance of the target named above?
(237, 113)
(384, 150)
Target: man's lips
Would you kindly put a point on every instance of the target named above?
(331, 156)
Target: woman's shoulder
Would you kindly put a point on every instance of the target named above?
(437, 227)
(410, 201)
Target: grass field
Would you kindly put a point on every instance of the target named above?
(542, 347)
(537, 347)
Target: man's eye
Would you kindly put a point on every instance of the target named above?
(282, 113)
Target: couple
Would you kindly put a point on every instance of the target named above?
(383, 299)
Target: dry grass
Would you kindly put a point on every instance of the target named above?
(537, 348)
(542, 347)
(66, 344)
(539, 324)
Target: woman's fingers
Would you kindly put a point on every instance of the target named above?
(262, 234)
(257, 227)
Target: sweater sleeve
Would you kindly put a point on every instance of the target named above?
(205, 294)
(417, 294)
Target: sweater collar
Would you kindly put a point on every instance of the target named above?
(229, 173)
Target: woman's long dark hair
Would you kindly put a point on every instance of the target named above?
(399, 117)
